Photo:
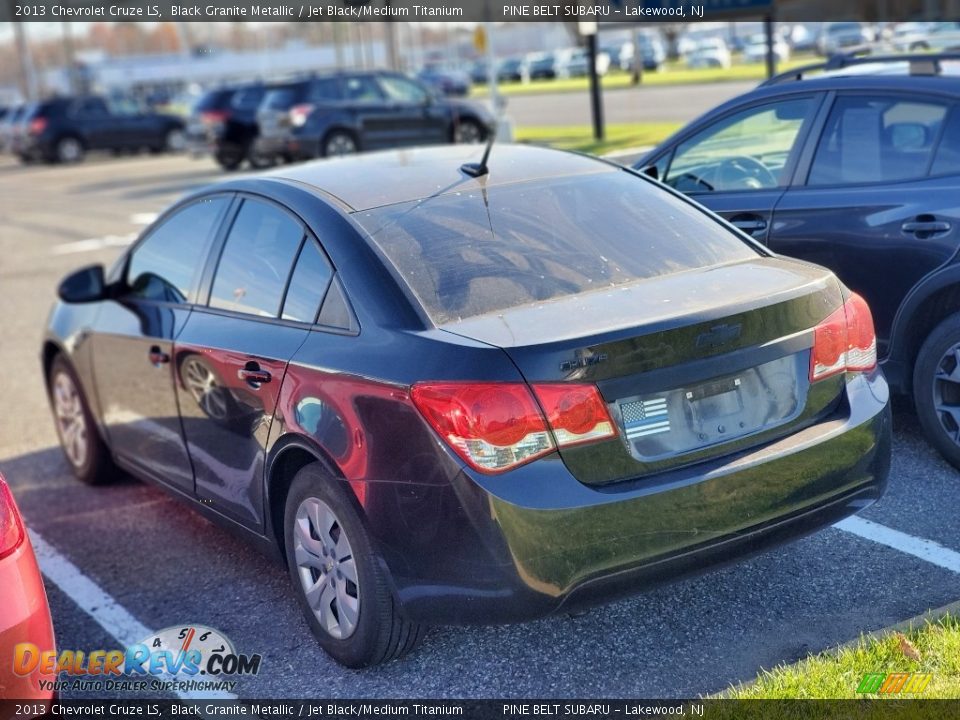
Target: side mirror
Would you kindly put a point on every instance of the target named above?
(84, 285)
(651, 171)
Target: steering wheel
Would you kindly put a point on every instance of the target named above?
(744, 171)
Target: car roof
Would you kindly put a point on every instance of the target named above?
(371, 180)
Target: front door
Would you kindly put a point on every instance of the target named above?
(133, 343)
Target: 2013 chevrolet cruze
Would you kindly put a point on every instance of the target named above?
(448, 396)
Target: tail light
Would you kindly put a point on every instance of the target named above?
(300, 113)
(11, 527)
(37, 126)
(212, 117)
(845, 341)
(497, 426)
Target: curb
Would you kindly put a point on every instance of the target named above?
(881, 634)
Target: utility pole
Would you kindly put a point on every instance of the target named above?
(26, 80)
(771, 56)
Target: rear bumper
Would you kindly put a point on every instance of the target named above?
(24, 618)
(536, 541)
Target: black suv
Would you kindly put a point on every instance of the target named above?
(224, 123)
(344, 113)
(64, 129)
(856, 168)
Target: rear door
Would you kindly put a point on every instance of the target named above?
(739, 164)
(421, 120)
(91, 118)
(233, 352)
(876, 200)
(133, 345)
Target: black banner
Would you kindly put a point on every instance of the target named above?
(489, 709)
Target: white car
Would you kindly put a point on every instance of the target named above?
(942, 36)
(911, 36)
(578, 64)
(711, 52)
(755, 50)
(842, 37)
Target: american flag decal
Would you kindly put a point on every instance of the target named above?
(645, 417)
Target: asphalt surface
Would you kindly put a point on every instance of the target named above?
(165, 565)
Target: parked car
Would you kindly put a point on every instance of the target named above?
(8, 124)
(578, 64)
(223, 122)
(479, 72)
(512, 70)
(755, 49)
(65, 129)
(858, 172)
(911, 36)
(344, 113)
(943, 36)
(541, 66)
(653, 51)
(24, 613)
(838, 37)
(449, 396)
(709, 53)
(451, 83)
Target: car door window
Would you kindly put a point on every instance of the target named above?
(308, 284)
(402, 90)
(164, 265)
(946, 160)
(325, 90)
(748, 150)
(870, 139)
(256, 260)
(362, 89)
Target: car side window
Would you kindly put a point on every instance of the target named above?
(748, 150)
(361, 88)
(164, 265)
(89, 108)
(325, 90)
(946, 159)
(870, 139)
(402, 90)
(256, 260)
(308, 284)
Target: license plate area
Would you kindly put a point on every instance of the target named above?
(681, 420)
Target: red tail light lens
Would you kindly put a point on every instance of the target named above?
(844, 341)
(212, 117)
(37, 126)
(300, 113)
(575, 413)
(492, 426)
(11, 528)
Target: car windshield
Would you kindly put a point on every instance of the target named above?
(472, 253)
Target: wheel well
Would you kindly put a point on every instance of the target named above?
(930, 313)
(282, 472)
(50, 352)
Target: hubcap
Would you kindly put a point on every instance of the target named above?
(175, 140)
(327, 570)
(71, 421)
(468, 134)
(946, 392)
(341, 145)
(69, 150)
(205, 389)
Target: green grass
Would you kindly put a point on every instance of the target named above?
(836, 675)
(671, 74)
(580, 137)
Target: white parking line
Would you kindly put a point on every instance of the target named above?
(105, 611)
(927, 550)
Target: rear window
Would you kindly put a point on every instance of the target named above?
(282, 98)
(470, 253)
(213, 100)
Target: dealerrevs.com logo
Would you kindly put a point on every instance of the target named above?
(190, 657)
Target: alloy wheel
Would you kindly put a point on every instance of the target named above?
(326, 567)
(340, 144)
(468, 133)
(69, 150)
(946, 392)
(206, 389)
(71, 420)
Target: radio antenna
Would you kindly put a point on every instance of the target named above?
(480, 169)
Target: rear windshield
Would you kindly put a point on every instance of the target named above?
(472, 253)
(213, 100)
(281, 98)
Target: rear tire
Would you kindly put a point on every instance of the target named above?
(936, 388)
(174, 141)
(230, 157)
(468, 132)
(86, 453)
(69, 150)
(339, 143)
(337, 575)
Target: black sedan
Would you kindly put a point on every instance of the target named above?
(446, 396)
(65, 129)
(345, 113)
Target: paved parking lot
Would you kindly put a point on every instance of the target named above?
(127, 557)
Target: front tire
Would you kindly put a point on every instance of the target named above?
(85, 451)
(936, 388)
(337, 576)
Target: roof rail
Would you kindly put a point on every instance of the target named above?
(920, 64)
